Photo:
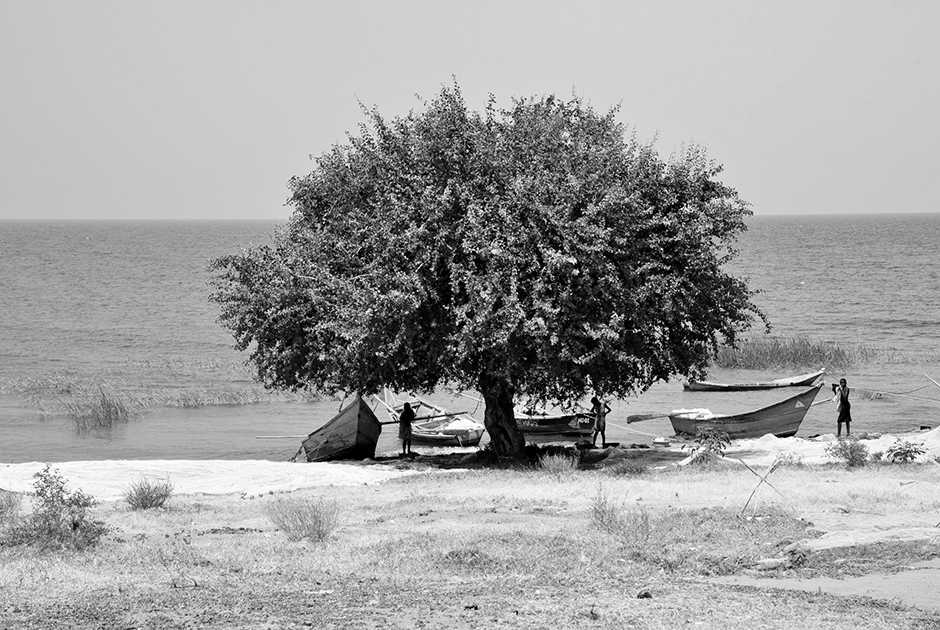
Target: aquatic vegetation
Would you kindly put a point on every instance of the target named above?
(95, 401)
(795, 352)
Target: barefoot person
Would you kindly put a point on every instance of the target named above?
(841, 398)
(600, 411)
(405, 418)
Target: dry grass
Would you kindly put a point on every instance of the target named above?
(147, 494)
(476, 549)
(304, 518)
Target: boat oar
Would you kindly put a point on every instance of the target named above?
(280, 437)
(640, 417)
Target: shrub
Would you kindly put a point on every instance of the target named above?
(9, 508)
(789, 458)
(59, 518)
(904, 452)
(850, 450)
(708, 445)
(558, 465)
(313, 519)
(145, 494)
(629, 527)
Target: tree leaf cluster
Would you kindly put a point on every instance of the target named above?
(539, 250)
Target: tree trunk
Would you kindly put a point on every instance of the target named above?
(505, 436)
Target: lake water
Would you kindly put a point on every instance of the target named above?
(126, 304)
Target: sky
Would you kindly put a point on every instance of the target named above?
(204, 110)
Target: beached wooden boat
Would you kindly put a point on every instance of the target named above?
(781, 419)
(572, 425)
(352, 434)
(434, 424)
(801, 380)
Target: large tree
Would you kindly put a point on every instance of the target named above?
(538, 251)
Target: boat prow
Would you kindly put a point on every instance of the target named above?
(352, 434)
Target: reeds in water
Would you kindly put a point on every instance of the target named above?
(94, 403)
(101, 410)
(795, 352)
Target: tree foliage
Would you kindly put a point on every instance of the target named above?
(538, 251)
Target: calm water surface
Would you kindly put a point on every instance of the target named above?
(127, 303)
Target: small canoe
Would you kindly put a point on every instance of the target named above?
(576, 425)
(801, 380)
(352, 434)
(434, 424)
(781, 419)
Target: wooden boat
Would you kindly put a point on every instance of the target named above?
(352, 434)
(576, 425)
(781, 419)
(793, 381)
(434, 424)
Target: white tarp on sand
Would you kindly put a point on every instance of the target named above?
(107, 480)
(764, 450)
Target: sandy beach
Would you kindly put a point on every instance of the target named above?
(440, 541)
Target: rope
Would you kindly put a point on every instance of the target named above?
(632, 430)
(877, 393)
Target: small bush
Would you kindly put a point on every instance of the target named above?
(629, 527)
(145, 494)
(708, 445)
(904, 452)
(789, 458)
(558, 465)
(849, 450)
(10, 504)
(59, 519)
(313, 519)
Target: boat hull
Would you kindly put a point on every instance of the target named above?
(438, 438)
(352, 434)
(576, 425)
(781, 419)
(802, 380)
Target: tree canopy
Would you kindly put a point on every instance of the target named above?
(539, 251)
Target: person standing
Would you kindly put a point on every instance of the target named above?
(841, 398)
(405, 418)
(600, 410)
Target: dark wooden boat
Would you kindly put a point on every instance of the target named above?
(781, 419)
(434, 424)
(801, 380)
(352, 434)
(573, 425)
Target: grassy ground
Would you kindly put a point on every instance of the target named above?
(480, 549)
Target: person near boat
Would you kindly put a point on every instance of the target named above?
(600, 410)
(844, 409)
(405, 418)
